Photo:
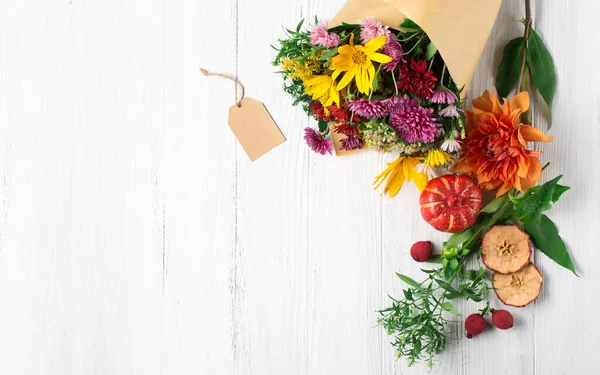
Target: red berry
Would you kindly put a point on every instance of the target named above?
(502, 319)
(421, 251)
(474, 325)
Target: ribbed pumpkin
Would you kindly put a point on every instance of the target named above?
(450, 203)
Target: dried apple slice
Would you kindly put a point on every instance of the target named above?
(520, 288)
(505, 249)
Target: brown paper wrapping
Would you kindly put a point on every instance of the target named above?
(458, 28)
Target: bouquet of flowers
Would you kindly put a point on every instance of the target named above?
(369, 85)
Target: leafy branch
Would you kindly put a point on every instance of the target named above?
(418, 322)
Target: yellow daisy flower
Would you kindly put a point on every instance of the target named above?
(403, 168)
(357, 62)
(322, 88)
(436, 158)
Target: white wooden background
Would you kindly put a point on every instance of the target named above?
(137, 238)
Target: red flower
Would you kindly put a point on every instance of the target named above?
(319, 111)
(417, 79)
(347, 130)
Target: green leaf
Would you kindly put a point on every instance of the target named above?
(450, 308)
(541, 67)
(510, 67)
(300, 25)
(558, 191)
(323, 127)
(409, 26)
(470, 274)
(494, 205)
(459, 238)
(534, 201)
(408, 280)
(444, 285)
(430, 51)
(545, 237)
(435, 259)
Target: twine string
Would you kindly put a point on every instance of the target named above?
(231, 78)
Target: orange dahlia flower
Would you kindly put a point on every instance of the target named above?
(495, 149)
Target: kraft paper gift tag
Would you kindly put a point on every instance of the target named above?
(458, 28)
(251, 123)
(254, 128)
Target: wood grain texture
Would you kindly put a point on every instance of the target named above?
(137, 238)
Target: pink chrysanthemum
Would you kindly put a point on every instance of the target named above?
(320, 35)
(449, 111)
(443, 96)
(316, 142)
(351, 143)
(367, 108)
(393, 49)
(371, 29)
(412, 122)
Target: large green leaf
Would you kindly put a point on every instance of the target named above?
(541, 67)
(545, 237)
(494, 205)
(536, 200)
(460, 237)
(510, 67)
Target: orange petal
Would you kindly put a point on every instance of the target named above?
(505, 188)
(535, 169)
(520, 102)
(531, 134)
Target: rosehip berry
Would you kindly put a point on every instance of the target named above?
(474, 325)
(421, 251)
(502, 319)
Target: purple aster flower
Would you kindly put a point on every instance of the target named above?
(351, 143)
(371, 29)
(367, 108)
(320, 36)
(393, 49)
(316, 141)
(443, 96)
(412, 122)
(449, 111)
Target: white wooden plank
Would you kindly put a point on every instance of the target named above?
(272, 210)
(201, 317)
(566, 330)
(81, 247)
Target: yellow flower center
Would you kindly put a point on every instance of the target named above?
(359, 57)
(516, 281)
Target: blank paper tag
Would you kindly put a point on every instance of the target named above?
(254, 128)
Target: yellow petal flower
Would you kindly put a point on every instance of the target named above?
(436, 158)
(401, 169)
(357, 62)
(322, 88)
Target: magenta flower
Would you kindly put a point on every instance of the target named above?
(443, 96)
(320, 35)
(367, 108)
(412, 122)
(449, 111)
(393, 49)
(316, 141)
(351, 143)
(371, 29)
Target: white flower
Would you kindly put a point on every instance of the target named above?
(450, 145)
(424, 168)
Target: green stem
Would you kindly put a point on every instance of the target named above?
(443, 74)
(395, 83)
(525, 39)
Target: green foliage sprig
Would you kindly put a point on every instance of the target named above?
(418, 322)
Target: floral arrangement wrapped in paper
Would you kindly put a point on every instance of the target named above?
(387, 76)
(390, 75)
